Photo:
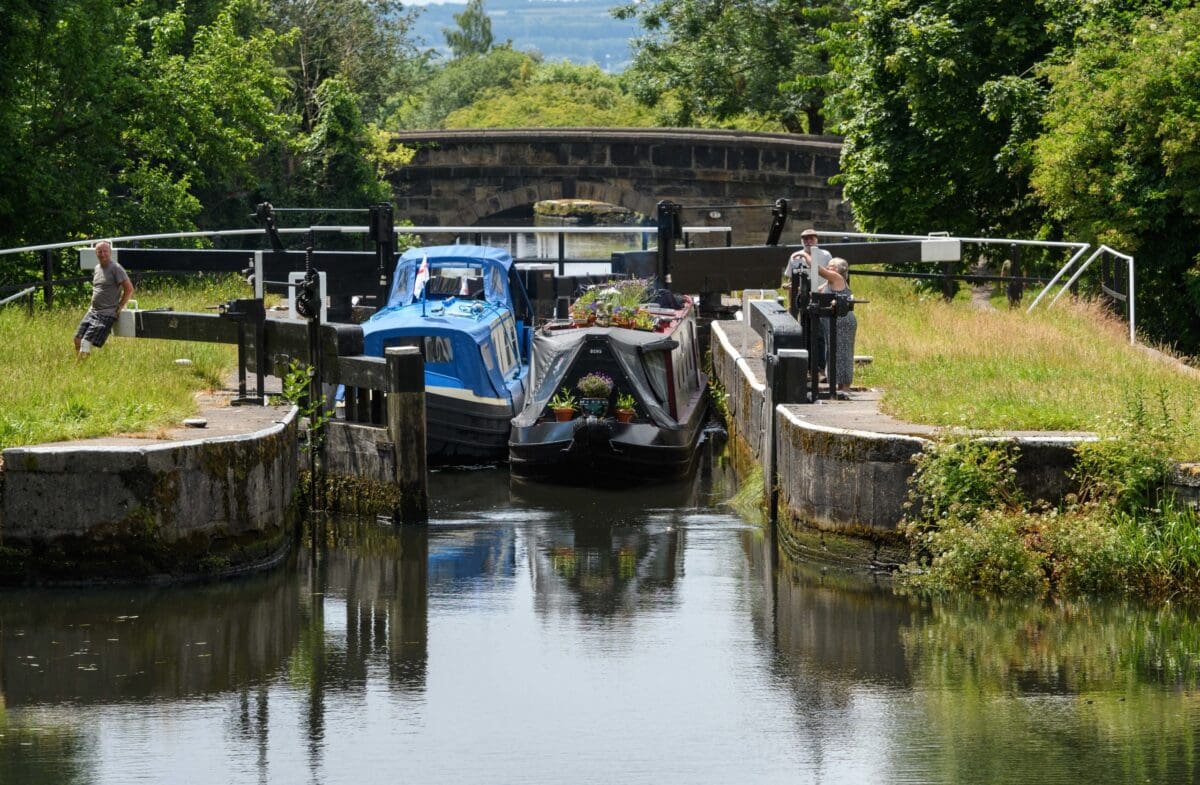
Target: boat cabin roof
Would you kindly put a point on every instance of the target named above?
(481, 269)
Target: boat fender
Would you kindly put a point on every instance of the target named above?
(591, 433)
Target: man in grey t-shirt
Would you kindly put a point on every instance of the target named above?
(111, 290)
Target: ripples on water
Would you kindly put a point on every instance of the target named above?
(545, 635)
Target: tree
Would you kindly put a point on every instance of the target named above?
(717, 59)
(474, 33)
(365, 42)
(113, 120)
(458, 83)
(935, 111)
(554, 95)
(1119, 161)
(336, 172)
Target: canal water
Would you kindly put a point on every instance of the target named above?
(532, 635)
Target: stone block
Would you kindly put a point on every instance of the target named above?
(826, 166)
(709, 157)
(800, 162)
(742, 158)
(773, 160)
(623, 154)
(671, 156)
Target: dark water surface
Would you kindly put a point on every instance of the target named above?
(561, 636)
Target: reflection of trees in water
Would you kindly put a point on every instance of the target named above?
(1002, 692)
(64, 648)
(1103, 691)
(43, 747)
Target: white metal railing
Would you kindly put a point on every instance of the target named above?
(1079, 250)
(489, 230)
(18, 295)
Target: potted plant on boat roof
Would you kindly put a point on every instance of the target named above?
(644, 320)
(595, 388)
(625, 410)
(563, 405)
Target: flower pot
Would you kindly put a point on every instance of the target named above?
(594, 406)
(563, 415)
(624, 415)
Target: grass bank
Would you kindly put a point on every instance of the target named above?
(1070, 368)
(129, 386)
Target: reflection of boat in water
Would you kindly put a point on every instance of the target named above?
(658, 367)
(463, 556)
(606, 567)
(606, 505)
(458, 305)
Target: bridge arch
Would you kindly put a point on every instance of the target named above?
(460, 177)
(491, 204)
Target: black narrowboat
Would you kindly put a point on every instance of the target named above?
(654, 371)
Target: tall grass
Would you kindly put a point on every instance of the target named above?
(129, 386)
(1070, 368)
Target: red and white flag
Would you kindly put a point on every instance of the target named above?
(422, 278)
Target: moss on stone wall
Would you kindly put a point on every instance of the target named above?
(353, 495)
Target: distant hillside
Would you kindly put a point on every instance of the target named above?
(582, 31)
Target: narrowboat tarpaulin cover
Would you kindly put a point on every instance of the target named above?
(555, 353)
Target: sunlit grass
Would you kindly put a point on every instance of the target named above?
(129, 386)
(1069, 368)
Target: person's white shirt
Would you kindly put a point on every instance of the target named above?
(818, 255)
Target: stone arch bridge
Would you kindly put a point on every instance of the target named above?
(473, 177)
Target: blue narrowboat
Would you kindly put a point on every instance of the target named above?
(458, 304)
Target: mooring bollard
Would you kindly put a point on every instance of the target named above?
(406, 426)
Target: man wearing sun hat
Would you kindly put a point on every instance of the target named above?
(807, 255)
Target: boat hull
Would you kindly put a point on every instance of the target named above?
(598, 451)
(462, 430)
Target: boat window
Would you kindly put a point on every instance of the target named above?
(685, 363)
(496, 282)
(503, 346)
(434, 348)
(655, 364)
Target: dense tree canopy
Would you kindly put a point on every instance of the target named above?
(459, 83)
(932, 98)
(716, 59)
(111, 118)
(554, 95)
(1119, 161)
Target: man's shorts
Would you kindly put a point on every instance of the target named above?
(95, 328)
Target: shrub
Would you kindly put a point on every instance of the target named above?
(988, 554)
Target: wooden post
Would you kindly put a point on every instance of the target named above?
(406, 426)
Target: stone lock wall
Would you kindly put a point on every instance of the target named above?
(159, 512)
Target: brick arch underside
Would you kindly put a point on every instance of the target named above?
(548, 189)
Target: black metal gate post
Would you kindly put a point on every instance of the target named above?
(383, 232)
(47, 278)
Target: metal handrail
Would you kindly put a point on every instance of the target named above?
(18, 295)
(1057, 275)
(129, 238)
